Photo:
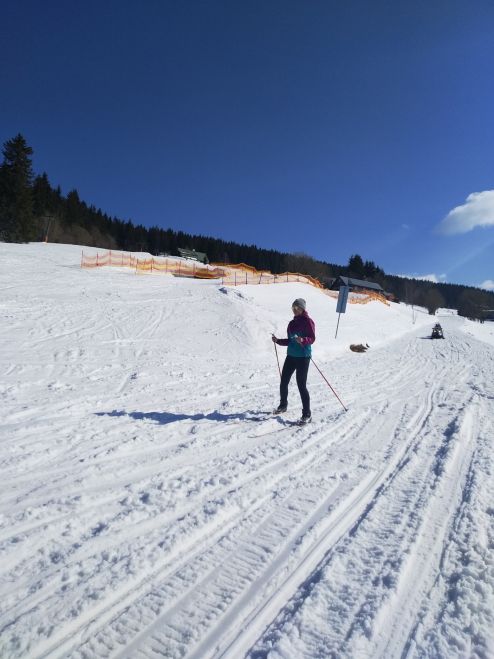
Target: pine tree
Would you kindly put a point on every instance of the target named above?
(42, 196)
(73, 209)
(356, 266)
(16, 198)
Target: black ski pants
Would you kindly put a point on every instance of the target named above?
(301, 366)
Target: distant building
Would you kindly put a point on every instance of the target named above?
(192, 254)
(356, 285)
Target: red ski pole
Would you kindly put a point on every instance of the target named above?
(322, 374)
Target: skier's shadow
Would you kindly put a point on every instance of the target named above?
(163, 418)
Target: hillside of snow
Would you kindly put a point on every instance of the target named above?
(151, 507)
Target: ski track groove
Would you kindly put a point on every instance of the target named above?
(393, 469)
(210, 567)
(464, 526)
(181, 444)
(218, 493)
(355, 641)
(239, 452)
(430, 535)
(417, 422)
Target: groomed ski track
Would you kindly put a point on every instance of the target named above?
(129, 530)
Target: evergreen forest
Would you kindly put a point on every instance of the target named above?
(31, 209)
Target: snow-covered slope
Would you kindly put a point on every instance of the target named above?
(148, 507)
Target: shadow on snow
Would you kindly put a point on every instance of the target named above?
(169, 417)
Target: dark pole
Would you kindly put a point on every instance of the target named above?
(277, 358)
(337, 325)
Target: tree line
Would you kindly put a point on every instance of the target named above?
(31, 209)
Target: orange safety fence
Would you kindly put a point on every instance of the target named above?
(239, 266)
(237, 278)
(267, 277)
(178, 268)
(117, 259)
(230, 274)
(371, 296)
(151, 264)
(361, 297)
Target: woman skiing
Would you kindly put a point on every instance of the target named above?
(301, 335)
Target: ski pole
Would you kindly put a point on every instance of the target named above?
(277, 358)
(322, 374)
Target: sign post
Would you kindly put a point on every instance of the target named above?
(341, 304)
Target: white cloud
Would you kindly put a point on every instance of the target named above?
(432, 277)
(405, 226)
(488, 284)
(477, 211)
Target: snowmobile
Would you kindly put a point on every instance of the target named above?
(437, 332)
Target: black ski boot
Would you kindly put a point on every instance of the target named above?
(280, 409)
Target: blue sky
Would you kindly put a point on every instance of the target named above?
(330, 128)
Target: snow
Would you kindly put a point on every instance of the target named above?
(481, 331)
(149, 507)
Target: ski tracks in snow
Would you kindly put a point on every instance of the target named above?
(371, 595)
(209, 533)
